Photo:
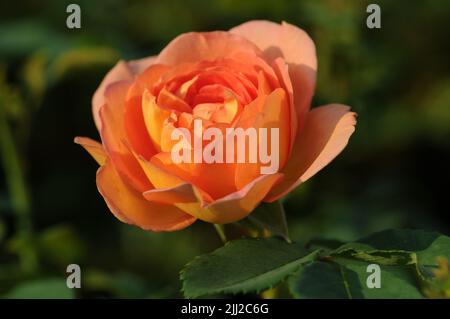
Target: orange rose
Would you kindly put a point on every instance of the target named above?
(259, 74)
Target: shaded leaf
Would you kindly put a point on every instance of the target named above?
(324, 280)
(401, 254)
(346, 279)
(325, 244)
(427, 245)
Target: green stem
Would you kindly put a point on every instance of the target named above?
(221, 231)
(19, 195)
(284, 222)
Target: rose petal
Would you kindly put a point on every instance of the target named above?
(135, 127)
(121, 71)
(273, 114)
(94, 148)
(325, 134)
(154, 118)
(139, 65)
(159, 177)
(281, 68)
(173, 102)
(183, 193)
(195, 47)
(130, 207)
(234, 206)
(203, 175)
(114, 137)
(298, 50)
(166, 184)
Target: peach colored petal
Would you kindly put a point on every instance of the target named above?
(185, 120)
(205, 110)
(130, 207)
(139, 65)
(274, 114)
(121, 71)
(234, 206)
(94, 148)
(154, 118)
(167, 143)
(298, 50)
(135, 128)
(222, 80)
(227, 112)
(263, 85)
(248, 115)
(183, 193)
(325, 134)
(171, 101)
(195, 47)
(114, 137)
(147, 79)
(159, 177)
(203, 175)
(282, 71)
(166, 183)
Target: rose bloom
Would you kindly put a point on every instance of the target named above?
(259, 74)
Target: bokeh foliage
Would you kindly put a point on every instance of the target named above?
(393, 174)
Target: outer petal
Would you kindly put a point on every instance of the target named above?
(114, 137)
(195, 47)
(234, 206)
(183, 193)
(121, 71)
(170, 188)
(295, 46)
(217, 179)
(129, 206)
(325, 134)
(281, 68)
(94, 148)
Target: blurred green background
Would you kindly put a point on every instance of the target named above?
(394, 173)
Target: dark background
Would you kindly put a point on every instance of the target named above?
(393, 174)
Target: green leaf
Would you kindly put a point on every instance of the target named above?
(427, 245)
(324, 244)
(242, 266)
(271, 218)
(346, 279)
(401, 254)
(399, 247)
(324, 280)
(52, 288)
(381, 257)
